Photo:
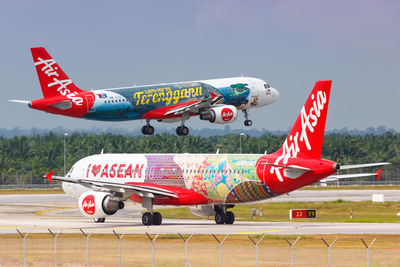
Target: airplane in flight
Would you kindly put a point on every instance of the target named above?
(209, 184)
(217, 101)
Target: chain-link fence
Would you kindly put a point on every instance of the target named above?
(121, 248)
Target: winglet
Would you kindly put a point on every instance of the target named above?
(213, 96)
(378, 174)
(49, 176)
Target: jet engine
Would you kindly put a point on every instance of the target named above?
(221, 114)
(98, 204)
(203, 210)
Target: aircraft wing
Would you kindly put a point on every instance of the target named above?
(196, 106)
(135, 189)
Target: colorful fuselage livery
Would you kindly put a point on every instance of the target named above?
(211, 178)
(216, 100)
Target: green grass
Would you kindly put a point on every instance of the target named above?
(336, 211)
(31, 191)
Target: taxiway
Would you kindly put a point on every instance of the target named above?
(59, 212)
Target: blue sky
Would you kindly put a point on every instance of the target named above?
(290, 44)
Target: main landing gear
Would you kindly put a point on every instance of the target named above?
(182, 129)
(247, 122)
(222, 216)
(150, 217)
(147, 129)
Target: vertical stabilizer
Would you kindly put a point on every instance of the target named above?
(307, 134)
(53, 80)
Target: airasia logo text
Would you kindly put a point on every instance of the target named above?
(48, 70)
(309, 120)
(88, 205)
(115, 170)
(226, 114)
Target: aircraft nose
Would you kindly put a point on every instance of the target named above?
(275, 93)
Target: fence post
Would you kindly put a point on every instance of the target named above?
(291, 250)
(370, 245)
(329, 248)
(23, 244)
(119, 246)
(220, 247)
(186, 248)
(256, 246)
(87, 245)
(55, 245)
(152, 247)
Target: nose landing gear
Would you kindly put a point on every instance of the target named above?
(247, 122)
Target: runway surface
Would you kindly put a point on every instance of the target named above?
(38, 212)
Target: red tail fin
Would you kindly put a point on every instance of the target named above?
(52, 78)
(49, 176)
(306, 137)
(378, 174)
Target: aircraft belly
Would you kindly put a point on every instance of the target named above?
(113, 115)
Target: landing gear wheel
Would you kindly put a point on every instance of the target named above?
(248, 123)
(157, 218)
(182, 130)
(219, 218)
(185, 130)
(150, 130)
(99, 220)
(147, 218)
(147, 130)
(230, 217)
(179, 130)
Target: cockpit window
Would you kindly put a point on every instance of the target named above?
(266, 86)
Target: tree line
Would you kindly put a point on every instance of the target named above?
(30, 157)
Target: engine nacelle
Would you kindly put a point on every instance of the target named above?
(98, 204)
(202, 210)
(221, 114)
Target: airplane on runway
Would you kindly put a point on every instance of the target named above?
(217, 101)
(209, 184)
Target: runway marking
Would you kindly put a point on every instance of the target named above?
(40, 212)
(261, 232)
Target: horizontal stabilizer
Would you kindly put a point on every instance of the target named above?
(63, 105)
(20, 101)
(287, 166)
(336, 177)
(346, 167)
